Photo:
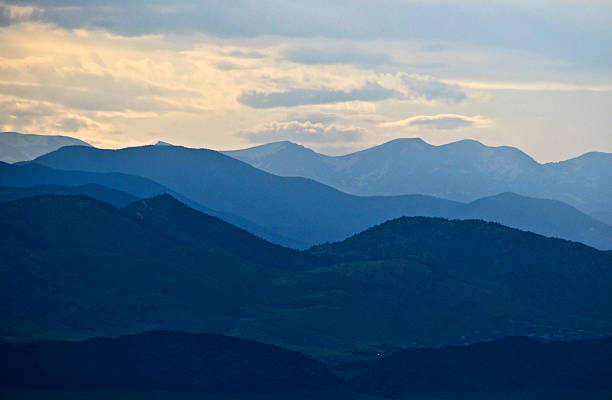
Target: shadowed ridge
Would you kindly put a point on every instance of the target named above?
(162, 360)
(535, 266)
(515, 365)
(113, 197)
(61, 222)
(166, 214)
(551, 218)
(296, 208)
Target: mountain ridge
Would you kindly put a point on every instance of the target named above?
(300, 209)
(91, 269)
(15, 146)
(463, 171)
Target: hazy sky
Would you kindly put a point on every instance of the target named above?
(332, 75)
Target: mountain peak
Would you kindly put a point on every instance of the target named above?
(16, 147)
(161, 143)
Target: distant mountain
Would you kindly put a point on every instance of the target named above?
(168, 361)
(116, 198)
(462, 171)
(546, 217)
(297, 208)
(303, 211)
(166, 214)
(74, 267)
(29, 174)
(516, 367)
(16, 147)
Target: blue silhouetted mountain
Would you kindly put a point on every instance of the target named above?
(297, 208)
(513, 367)
(303, 211)
(166, 214)
(74, 267)
(113, 197)
(162, 360)
(78, 265)
(16, 147)
(546, 217)
(475, 249)
(462, 171)
(29, 174)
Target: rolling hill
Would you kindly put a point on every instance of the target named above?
(513, 367)
(74, 267)
(161, 360)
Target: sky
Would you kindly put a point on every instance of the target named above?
(335, 76)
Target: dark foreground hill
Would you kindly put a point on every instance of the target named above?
(73, 267)
(516, 366)
(299, 212)
(161, 360)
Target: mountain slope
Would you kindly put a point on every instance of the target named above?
(462, 171)
(296, 208)
(545, 217)
(515, 365)
(166, 214)
(535, 266)
(74, 267)
(33, 175)
(304, 211)
(16, 147)
(113, 197)
(30, 174)
(169, 361)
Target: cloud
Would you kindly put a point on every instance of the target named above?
(313, 56)
(304, 132)
(313, 117)
(432, 89)
(438, 122)
(72, 124)
(533, 26)
(246, 54)
(371, 91)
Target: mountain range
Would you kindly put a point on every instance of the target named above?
(300, 212)
(161, 360)
(75, 267)
(16, 147)
(509, 368)
(180, 365)
(463, 171)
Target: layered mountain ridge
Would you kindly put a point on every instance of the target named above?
(462, 171)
